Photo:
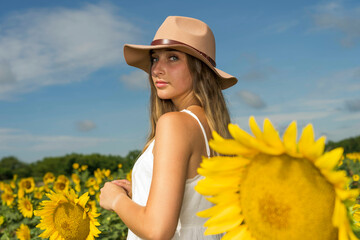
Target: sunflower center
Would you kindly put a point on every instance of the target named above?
(27, 185)
(271, 204)
(69, 222)
(28, 205)
(61, 185)
(274, 212)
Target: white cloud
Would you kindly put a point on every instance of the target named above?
(251, 99)
(85, 125)
(136, 80)
(42, 47)
(334, 16)
(19, 141)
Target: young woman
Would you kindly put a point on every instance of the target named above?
(186, 104)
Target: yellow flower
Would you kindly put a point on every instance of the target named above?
(128, 175)
(27, 184)
(23, 232)
(91, 191)
(62, 178)
(90, 182)
(356, 215)
(355, 177)
(354, 156)
(38, 194)
(25, 207)
(266, 188)
(1, 220)
(107, 172)
(65, 216)
(61, 186)
(75, 166)
(98, 176)
(84, 167)
(120, 165)
(77, 188)
(49, 178)
(7, 198)
(75, 178)
(6, 188)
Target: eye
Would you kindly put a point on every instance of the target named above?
(154, 59)
(173, 58)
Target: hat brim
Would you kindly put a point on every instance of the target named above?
(139, 56)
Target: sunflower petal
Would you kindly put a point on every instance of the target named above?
(307, 139)
(255, 128)
(271, 136)
(289, 138)
(330, 159)
(241, 136)
(229, 147)
(236, 233)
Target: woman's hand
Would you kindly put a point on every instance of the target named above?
(110, 194)
(124, 184)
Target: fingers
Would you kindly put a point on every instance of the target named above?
(125, 184)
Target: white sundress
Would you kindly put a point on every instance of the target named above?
(190, 226)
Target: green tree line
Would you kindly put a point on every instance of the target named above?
(350, 145)
(63, 165)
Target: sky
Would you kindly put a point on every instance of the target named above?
(65, 87)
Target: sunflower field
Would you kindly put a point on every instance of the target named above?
(28, 206)
(312, 181)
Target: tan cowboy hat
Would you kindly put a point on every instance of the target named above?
(185, 34)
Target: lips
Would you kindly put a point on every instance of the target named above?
(160, 84)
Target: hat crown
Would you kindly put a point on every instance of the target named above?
(190, 31)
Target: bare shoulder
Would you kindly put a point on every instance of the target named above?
(175, 121)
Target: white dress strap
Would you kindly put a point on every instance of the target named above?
(202, 129)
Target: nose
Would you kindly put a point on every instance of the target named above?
(157, 68)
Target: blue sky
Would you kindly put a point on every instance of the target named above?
(64, 85)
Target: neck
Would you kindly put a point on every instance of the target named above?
(185, 103)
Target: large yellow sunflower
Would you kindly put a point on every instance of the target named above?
(23, 232)
(265, 188)
(67, 217)
(25, 207)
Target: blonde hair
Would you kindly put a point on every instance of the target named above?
(207, 89)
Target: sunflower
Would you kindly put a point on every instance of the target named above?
(90, 182)
(67, 217)
(49, 178)
(84, 167)
(62, 178)
(60, 186)
(27, 184)
(128, 175)
(25, 207)
(7, 198)
(355, 177)
(1, 220)
(75, 166)
(267, 188)
(75, 178)
(23, 232)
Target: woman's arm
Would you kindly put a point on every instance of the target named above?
(172, 151)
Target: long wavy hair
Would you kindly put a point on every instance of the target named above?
(207, 89)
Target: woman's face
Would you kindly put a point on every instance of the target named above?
(171, 75)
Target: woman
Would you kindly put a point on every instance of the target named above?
(186, 104)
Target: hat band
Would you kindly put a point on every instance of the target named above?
(172, 42)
